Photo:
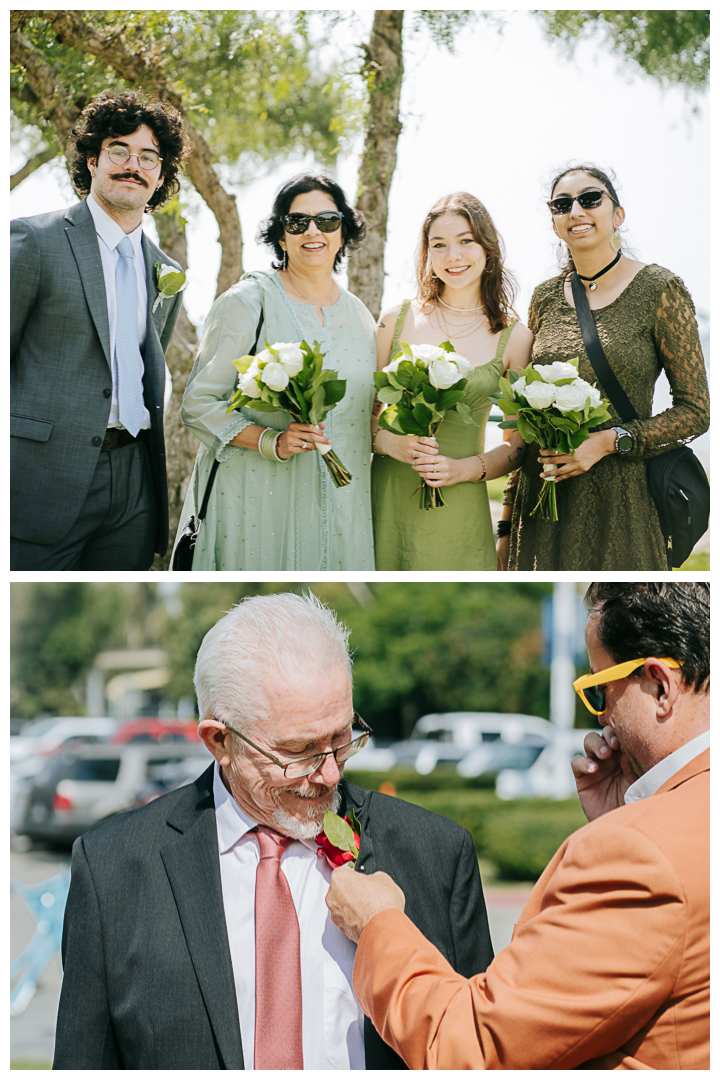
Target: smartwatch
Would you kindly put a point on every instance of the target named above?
(624, 442)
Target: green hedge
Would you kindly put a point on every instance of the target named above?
(519, 837)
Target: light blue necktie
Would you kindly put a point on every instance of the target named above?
(127, 347)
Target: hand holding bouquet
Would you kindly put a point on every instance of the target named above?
(420, 385)
(553, 407)
(289, 376)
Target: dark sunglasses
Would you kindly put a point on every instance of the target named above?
(329, 221)
(589, 200)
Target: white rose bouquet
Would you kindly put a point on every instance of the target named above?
(552, 406)
(419, 386)
(289, 376)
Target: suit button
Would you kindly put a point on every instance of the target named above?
(96, 440)
(107, 392)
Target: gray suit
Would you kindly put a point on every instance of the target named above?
(61, 381)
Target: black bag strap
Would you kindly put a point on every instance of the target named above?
(211, 478)
(596, 355)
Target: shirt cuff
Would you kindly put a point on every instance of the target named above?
(220, 449)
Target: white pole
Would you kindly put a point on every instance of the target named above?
(562, 673)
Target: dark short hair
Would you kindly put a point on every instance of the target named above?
(122, 114)
(271, 231)
(656, 618)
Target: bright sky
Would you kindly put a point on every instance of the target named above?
(498, 118)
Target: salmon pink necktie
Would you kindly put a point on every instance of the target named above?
(278, 987)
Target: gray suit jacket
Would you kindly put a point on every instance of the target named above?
(61, 382)
(148, 977)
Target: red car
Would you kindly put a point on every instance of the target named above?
(151, 730)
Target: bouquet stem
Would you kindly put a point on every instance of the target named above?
(546, 506)
(340, 475)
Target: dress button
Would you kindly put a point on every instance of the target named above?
(96, 440)
(107, 392)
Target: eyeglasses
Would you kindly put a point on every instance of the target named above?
(591, 688)
(308, 765)
(328, 221)
(147, 161)
(589, 200)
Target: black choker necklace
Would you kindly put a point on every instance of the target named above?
(592, 286)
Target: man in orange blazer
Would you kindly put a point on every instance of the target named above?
(609, 963)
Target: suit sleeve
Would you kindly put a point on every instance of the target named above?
(25, 265)
(468, 915)
(84, 1036)
(586, 971)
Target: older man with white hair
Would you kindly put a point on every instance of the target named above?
(196, 932)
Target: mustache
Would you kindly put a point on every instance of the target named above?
(130, 176)
(317, 791)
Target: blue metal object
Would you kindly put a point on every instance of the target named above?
(45, 900)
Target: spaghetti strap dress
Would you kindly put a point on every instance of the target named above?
(458, 536)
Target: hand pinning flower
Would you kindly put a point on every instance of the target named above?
(169, 281)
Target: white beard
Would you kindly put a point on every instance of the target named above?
(309, 827)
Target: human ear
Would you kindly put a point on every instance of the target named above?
(666, 688)
(215, 736)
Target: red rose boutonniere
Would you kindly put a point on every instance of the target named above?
(340, 839)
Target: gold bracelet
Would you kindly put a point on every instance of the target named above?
(484, 472)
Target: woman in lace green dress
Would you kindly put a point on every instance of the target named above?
(464, 296)
(273, 505)
(646, 323)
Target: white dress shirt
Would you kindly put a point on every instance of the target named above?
(654, 778)
(109, 236)
(332, 1020)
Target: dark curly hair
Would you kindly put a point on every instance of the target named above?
(656, 618)
(271, 231)
(122, 114)
(497, 285)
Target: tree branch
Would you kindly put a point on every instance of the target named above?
(30, 166)
(44, 82)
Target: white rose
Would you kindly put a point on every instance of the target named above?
(539, 395)
(248, 385)
(559, 369)
(275, 376)
(265, 357)
(593, 393)
(519, 386)
(463, 364)
(572, 396)
(290, 355)
(395, 364)
(443, 372)
(428, 353)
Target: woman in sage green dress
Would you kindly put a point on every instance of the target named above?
(645, 319)
(273, 504)
(464, 296)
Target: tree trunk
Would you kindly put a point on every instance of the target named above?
(31, 165)
(383, 73)
(180, 445)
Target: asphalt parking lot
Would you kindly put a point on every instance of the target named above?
(32, 1034)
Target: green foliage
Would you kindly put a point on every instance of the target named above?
(672, 46)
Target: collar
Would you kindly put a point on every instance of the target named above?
(654, 778)
(109, 231)
(232, 822)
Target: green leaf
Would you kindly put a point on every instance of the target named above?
(466, 414)
(430, 394)
(338, 832)
(509, 425)
(390, 396)
(447, 346)
(354, 823)
(317, 410)
(380, 379)
(510, 407)
(423, 415)
(243, 363)
(405, 373)
(334, 392)
(448, 398)
(394, 381)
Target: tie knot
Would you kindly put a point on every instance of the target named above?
(125, 248)
(272, 844)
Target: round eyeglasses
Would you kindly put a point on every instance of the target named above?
(293, 770)
(147, 161)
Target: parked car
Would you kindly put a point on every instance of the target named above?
(550, 775)
(475, 743)
(373, 757)
(152, 730)
(81, 786)
(43, 737)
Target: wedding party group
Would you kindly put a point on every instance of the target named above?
(327, 441)
(272, 915)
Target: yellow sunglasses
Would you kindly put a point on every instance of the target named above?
(593, 695)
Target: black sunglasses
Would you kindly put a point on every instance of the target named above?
(589, 200)
(328, 221)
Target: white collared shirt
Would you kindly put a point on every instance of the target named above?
(332, 1021)
(654, 778)
(109, 236)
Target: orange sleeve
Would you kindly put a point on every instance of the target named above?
(592, 964)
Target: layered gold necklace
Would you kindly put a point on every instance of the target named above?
(474, 325)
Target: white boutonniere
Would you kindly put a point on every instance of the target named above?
(169, 281)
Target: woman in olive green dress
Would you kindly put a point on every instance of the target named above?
(464, 296)
(646, 323)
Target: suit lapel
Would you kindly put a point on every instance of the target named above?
(154, 355)
(192, 864)
(84, 243)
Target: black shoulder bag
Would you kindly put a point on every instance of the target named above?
(185, 548)
(676, 479)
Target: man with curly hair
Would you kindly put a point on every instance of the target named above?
(89, 332)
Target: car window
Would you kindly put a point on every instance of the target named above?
(97, 769)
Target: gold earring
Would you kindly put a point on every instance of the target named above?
(616, 240)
